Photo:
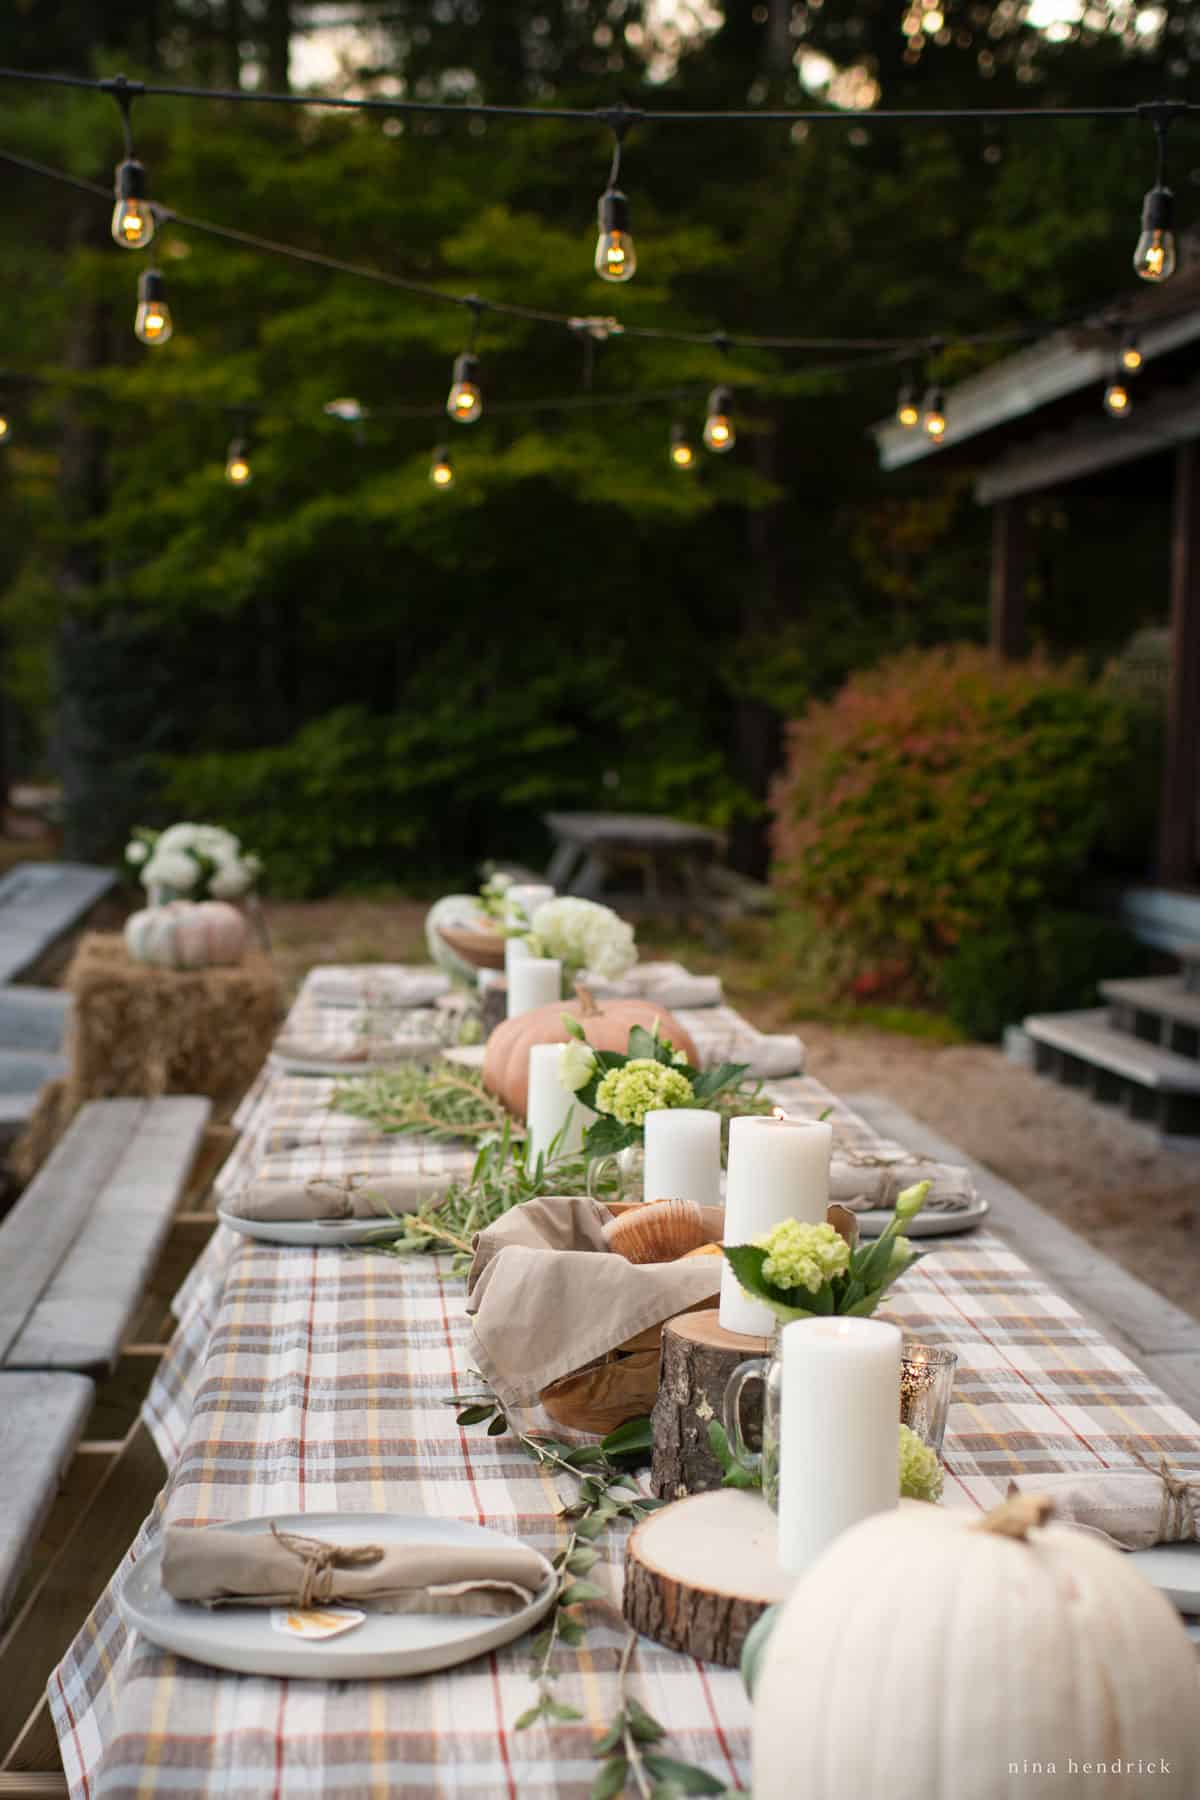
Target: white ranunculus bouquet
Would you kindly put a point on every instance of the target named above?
(583, 935)
(195, 862)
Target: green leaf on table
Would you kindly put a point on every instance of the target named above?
(474, 1415)
(579, 1591)
(607, 1136)
(634, 1435)
(529, 1718)
(582, 1559)
(571, 1633)
(612, 1737)
(714, 1081)
(686, 1776)
(498, 1426)
(733, 1473)
(611, 1780)
(644, 1726)
(592, 1526)
(558, 1709)
(584, 1456)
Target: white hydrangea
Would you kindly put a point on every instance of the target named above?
(171, 868)
(582, 934)
(231, 879)
(136, 852)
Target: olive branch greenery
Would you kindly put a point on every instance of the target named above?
(608, 1493)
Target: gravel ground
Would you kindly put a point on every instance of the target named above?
(1102, 1176)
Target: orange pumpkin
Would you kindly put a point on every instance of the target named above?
(606, 1026)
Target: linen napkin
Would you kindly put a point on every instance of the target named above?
(374, 1047)
(664, 983)
(722, 1035)
(282, 1568)
(1131, 1509)
(548, 1297)
(378, 984)
(870, 1180)
(297, 1197)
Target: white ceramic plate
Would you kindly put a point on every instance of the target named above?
(927, 1224)
(1175, 1568)
(307, 1232)
(243, 1639)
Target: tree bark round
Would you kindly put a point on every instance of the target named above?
(698, 1358)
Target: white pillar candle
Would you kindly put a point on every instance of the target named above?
(551, 1106)
(533, 981)
(515, 950)
(838, 1431)
(683, 1155)
(524, 900)
(778, 1169)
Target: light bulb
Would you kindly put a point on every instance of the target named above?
(133, 217)
(1117, 403)
(152, 321)
(934, 414)
(465, 400)
(1131, 355)
(237, 463)
(683, 456)
(441, 472)
(4, 428)
(1154, 258)
(719, 434)
(908, 413)
(616, 258)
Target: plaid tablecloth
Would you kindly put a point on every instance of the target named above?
(317, 1380)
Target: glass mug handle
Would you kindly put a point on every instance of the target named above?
(753, 1370)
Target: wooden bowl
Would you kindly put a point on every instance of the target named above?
(482, 949)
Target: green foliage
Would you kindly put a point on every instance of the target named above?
(944, 796)
(995, 978)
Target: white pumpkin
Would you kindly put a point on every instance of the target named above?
(453, 909)
(930, 1655)
(201, 934)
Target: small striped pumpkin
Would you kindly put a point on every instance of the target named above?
(187, 934)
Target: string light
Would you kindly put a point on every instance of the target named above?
(934, 414)
(683, 455)
(237, 463)
(464, 403)
(1154, 257)
(133, 221)
(719, 434)
(5, 423)
(1131, 353)
(616, 257)
(908, 413)
(152, 321)
(441, 471)
(1117, 402)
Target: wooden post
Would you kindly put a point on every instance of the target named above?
(1009, 563)
(1181, 789)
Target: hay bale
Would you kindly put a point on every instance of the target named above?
(138, 1029)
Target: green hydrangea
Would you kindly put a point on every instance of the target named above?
(639, 1087)
(920, 1470)
(804, 1256)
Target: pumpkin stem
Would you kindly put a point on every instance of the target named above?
(1017, 1516)
(587, 1001)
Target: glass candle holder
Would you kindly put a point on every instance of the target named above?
(926, 1385)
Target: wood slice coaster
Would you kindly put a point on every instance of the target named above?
(699, 1573)
(698, 1358)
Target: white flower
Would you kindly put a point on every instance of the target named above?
(230, 880)
(170, 868)
(136, 852)
(585, 935)
(576, 1066)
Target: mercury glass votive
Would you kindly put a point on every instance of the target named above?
(926, 1384)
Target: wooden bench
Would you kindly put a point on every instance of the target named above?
(41, 1420)
(672, 858)
(39, 904)
(78, 1248)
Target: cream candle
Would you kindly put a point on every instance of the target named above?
(778, 1169)
(533, 981)
(515, 950)
(524, 899)
(839, 1413)
(551, 1106)
(683, 1155)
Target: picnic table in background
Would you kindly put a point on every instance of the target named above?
(317, 1379)
(673, 860)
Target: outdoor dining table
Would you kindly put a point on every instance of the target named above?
(319, 1380)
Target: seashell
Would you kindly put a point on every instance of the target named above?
(701, 1250)
(657, 1231)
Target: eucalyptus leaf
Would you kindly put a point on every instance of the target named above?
(611, 1780)
(690, 1779)
(635, 1434)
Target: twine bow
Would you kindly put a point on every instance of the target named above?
(1177, 1520)
(320, 1560)
(339, 1191)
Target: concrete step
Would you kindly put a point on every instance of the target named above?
(34, 1018)
(1160, 1010)
(1082, 1049)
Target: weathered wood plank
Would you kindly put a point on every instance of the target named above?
(34, 1018)
(1088, 1036)
(37, 1233)
(39, 903)
(41, 1421)
(84, 1310)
